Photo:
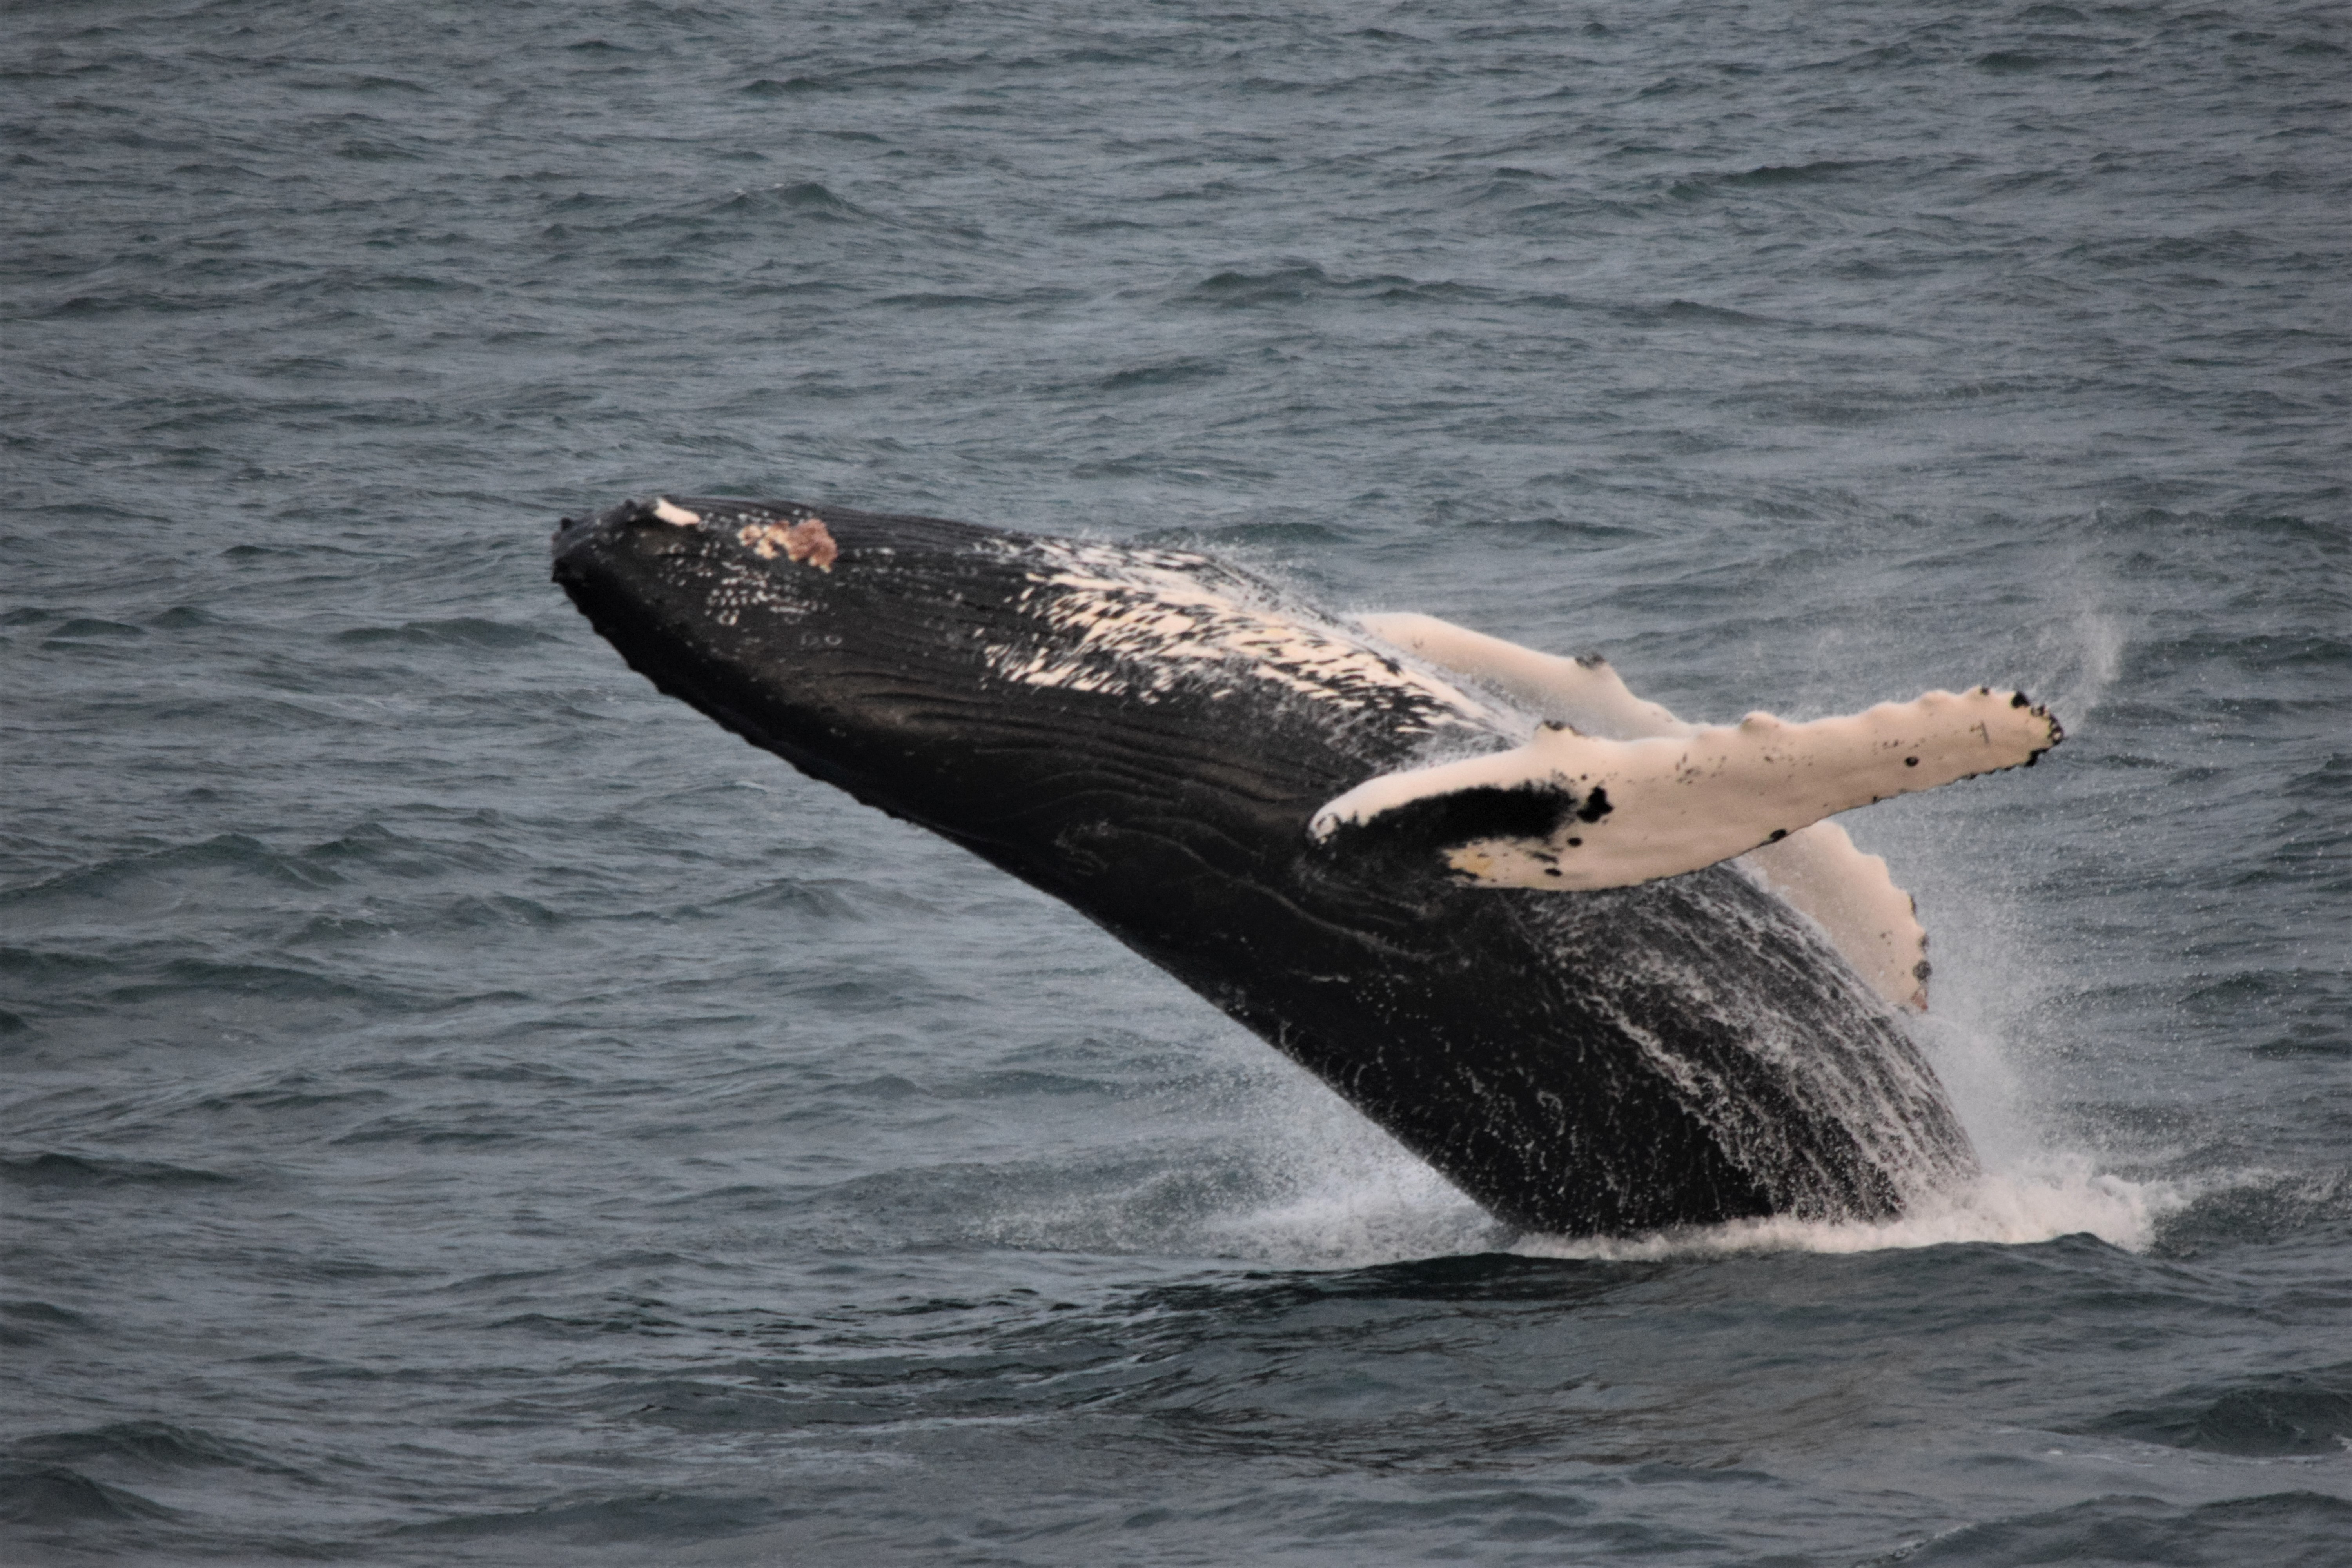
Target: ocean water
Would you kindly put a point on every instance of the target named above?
(462, 1108)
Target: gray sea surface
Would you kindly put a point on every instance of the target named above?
(457, 1106)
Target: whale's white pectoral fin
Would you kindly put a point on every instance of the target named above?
(1816, 869)
(1850, 894)
(1574, 811)
(1583, 693)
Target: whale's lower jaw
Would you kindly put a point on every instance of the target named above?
(1146, 734)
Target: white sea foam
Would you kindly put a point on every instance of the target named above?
(1401, 1212)
(1393, 1209)
(1376, 1204)
(2055, 1195)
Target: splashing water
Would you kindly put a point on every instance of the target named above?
(1373, 1206)
(2055, 1195)
(1338, 1193)
(2078, 655)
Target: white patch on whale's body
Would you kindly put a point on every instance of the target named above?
(1139, 622)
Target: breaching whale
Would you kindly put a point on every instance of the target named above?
(1582, 958)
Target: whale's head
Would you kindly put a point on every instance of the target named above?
(839, 640)
(685, 585)
(963, 676)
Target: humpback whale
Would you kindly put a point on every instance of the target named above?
(1606, 970)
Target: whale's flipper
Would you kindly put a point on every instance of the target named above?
(1584, 693)
(1575, 811)
(1815, 868)
(1851, 896)
(1818, 869)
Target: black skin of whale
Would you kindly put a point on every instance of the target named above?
(1685, 1052)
